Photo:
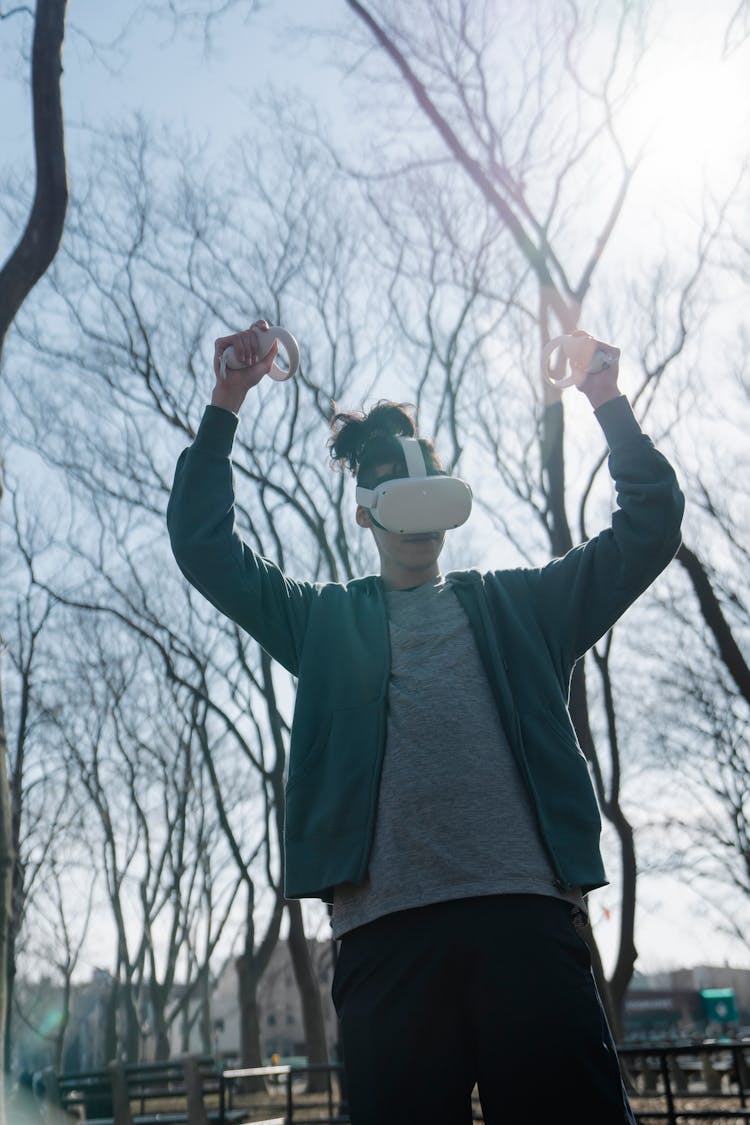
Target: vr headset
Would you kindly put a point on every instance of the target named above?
(417, 503)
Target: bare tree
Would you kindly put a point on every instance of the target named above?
(21, 272)
(706, 687)
(133, 350)
(135, 747)
(29, 850)
(704, 831)
(61, 925)
(24, 267)
(507, 142)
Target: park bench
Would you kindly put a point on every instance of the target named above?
(182, 1091)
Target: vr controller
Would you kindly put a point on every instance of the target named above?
(585, 355)
(418, 503)
(288, 354)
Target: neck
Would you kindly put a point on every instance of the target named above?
(399, 578)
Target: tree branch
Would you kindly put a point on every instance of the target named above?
(40, 240)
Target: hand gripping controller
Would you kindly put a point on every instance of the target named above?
(288, 347)
(585, 355)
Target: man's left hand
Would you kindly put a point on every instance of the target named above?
(600, 385)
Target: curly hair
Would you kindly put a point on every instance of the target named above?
(364, 441)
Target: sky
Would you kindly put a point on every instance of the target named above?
(693, 105)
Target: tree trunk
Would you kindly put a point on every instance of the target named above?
(131, 1039)
(627, 953)
(110, 1025)
(204, 1020)
(64, 1021)
(11, 931)
(250, 1052)
(40, 240)
(159, 999)
(6, 882)
(250, 968)
(26, 265)
(712, 614)
(161, 1047)
(309, 990)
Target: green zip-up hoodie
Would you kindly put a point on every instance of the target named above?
(531, 626)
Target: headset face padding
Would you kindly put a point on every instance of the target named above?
(418, 503)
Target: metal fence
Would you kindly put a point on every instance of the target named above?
(676, 1084)
(679, 1083)
(286, 1089)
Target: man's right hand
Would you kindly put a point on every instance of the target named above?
(229, 393)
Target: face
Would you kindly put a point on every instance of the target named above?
(405, 560)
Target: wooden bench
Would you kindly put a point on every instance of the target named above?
(173, 1092)
(189, 1091)
(85, 1095)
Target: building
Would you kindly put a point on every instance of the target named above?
(705, 1001)
(281, 1024)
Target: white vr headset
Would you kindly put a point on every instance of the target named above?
(417, 503)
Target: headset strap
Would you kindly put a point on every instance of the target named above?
(415, 462)
(416, 466)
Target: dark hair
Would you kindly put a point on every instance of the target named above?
(362, 441)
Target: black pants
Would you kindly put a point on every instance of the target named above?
(495, 991)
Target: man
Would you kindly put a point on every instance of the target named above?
(436, 795)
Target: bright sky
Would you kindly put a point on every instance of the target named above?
(693, 105)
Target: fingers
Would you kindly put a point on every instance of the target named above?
(247, 348)
(592, 355)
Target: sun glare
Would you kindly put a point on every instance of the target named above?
(691, 114)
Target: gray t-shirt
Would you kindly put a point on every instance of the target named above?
(453, 819)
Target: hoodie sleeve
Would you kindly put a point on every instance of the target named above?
(249, 589)
(581, 595)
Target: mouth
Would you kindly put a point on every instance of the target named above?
(422, 537)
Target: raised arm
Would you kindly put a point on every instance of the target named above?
(247, 588)
(581, 595)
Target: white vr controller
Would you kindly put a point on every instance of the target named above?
(288, 352)
(583, 355)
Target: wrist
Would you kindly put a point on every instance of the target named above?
(597, 398)
(226, 400)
